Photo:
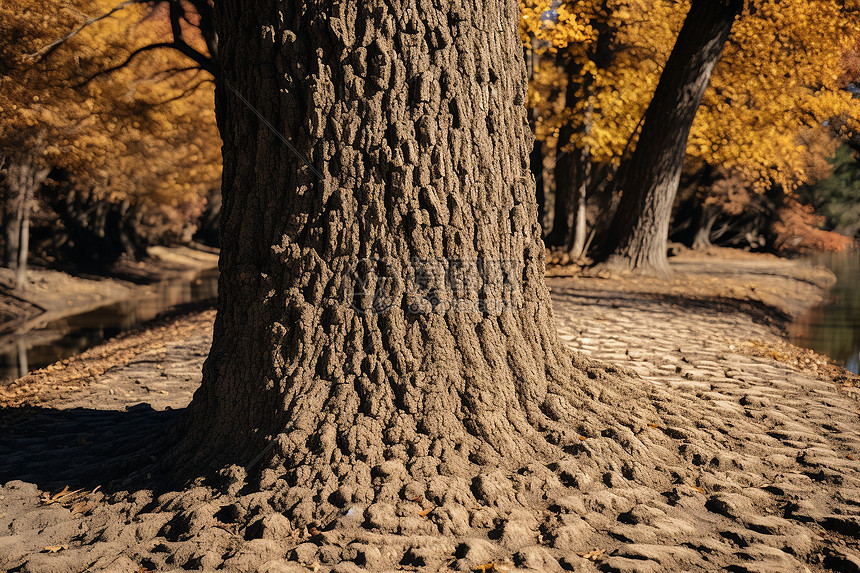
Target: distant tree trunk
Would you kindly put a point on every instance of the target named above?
(707, 217)
(580, 219)
(576, 247)
(536, 167)
(565, 177)
(23, 177)
(24, 242)
(390, 308)
(641, 225)
(566, 168)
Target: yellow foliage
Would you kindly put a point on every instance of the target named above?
(777, 88)
(141, 133)
(780, 81)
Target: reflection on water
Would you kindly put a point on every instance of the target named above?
(22, 352)
(833, 328)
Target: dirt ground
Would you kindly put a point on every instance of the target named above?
(744, 457)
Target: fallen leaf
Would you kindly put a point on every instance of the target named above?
(54, 548)
(418, 498)
(849, 456)
(583, 438)
(698, 489)
(486, 568)
(593, 555)
(426, 512)
(655, 426)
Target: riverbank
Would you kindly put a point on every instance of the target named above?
(743, 454)
(50, 294)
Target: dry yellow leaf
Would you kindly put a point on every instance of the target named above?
(592, 555)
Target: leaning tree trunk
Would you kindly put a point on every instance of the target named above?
(381, 300)
(641, 225)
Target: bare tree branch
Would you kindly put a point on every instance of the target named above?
(49, 49)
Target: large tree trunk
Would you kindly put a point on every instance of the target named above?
(641, 225)
(393, 308)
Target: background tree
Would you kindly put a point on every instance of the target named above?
(594, 48)
(642, 221)
(138, 141)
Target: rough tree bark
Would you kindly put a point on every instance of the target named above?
(641, 224)
(388, 317)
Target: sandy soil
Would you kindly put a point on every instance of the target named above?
(745, 457)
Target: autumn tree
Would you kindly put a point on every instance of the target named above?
(593, 49)
(138, 140)
(789, 39)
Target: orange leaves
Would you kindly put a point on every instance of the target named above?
(122, 136)
(782, 75)
(777, 82)
(609, 56)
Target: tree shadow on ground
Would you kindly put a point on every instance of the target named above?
(84, 448)
(760, 312)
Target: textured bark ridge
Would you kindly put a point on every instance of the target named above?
(388, 320)
(641, 224)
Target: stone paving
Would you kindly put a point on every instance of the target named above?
(784, 493)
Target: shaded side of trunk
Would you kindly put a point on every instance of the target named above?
(392, 306)
(641, 224)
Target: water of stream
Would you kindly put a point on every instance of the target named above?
(24, 352)
(833, 327)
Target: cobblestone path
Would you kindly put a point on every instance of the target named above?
(760, 460)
